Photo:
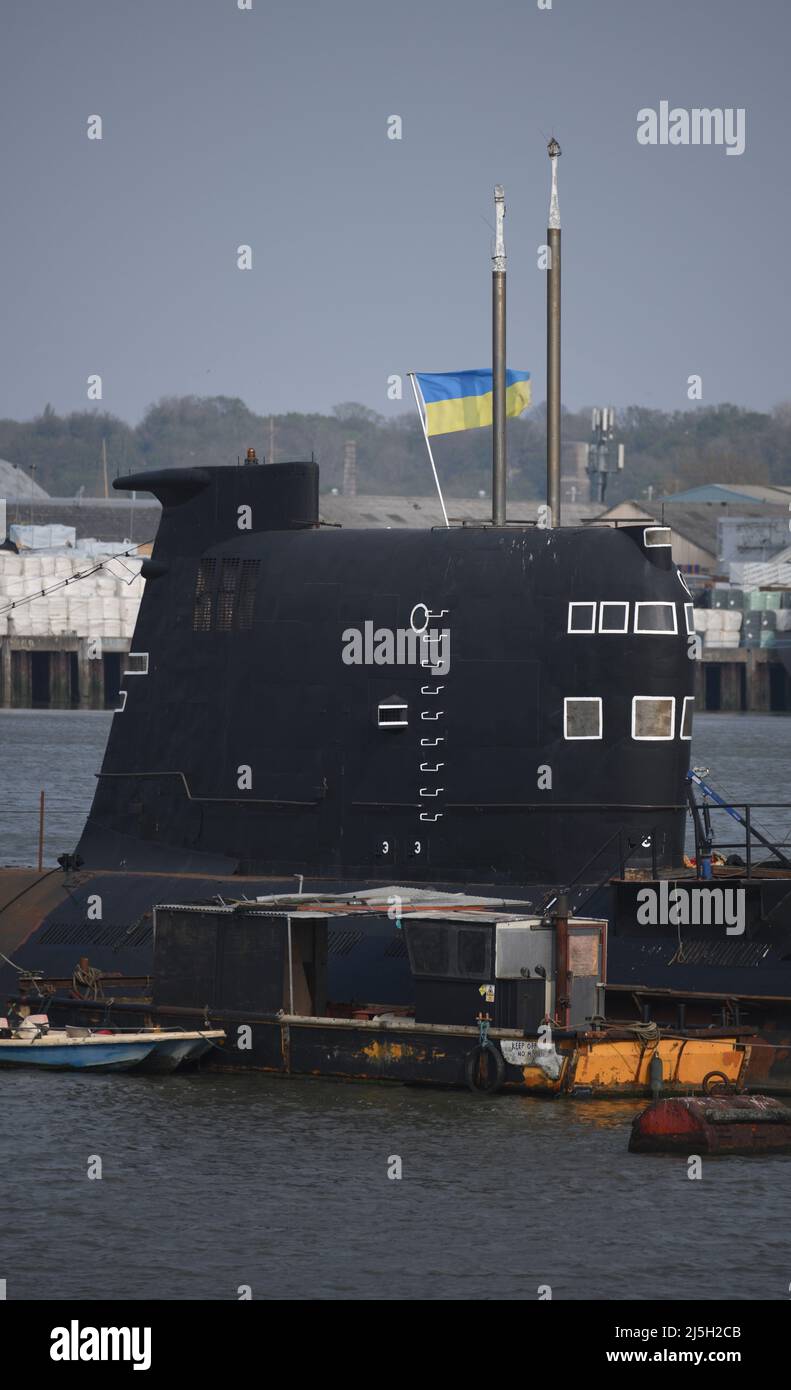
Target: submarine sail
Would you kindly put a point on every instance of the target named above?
(541, 680)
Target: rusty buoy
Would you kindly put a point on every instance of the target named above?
(713, 1125)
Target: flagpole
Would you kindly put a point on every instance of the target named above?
(411, 376)
(498, 364)
(553, 344)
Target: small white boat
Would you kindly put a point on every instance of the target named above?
(32, 1043)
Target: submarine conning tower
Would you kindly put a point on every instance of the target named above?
(471, 704)
(204, 506)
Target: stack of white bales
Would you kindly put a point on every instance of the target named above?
(719, 627)
(102, 604)
(11, 585)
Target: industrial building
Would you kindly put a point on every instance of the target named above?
(69, 594)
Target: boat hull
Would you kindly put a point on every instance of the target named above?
(75, 1056)
(171, 1055)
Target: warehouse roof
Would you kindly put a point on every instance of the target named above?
(696, 522)
(108, 521)
(364, 511)
(777, 495)
(16, 483)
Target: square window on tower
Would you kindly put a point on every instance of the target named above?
(582, 717)
(653, 717)
(655, 618)
(613, 617)
(687, 711)
(582, 617)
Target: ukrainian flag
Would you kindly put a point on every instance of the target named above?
(464, 400)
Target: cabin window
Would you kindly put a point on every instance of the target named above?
(582, 617)
(689, 618)
(582, 717)
(613, 617)
(429, 949)
(474, 952)
(656, 536)
(449, 951)
(686, 717)
(653, 717)
(655, 617)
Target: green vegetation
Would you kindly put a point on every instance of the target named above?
(669, 451)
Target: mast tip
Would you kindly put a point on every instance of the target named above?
(553, 148)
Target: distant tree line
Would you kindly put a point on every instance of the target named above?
(666, 451)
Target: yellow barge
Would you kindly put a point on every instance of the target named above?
(619, 1064)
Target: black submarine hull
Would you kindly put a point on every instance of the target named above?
(504, 710)
(286, 710)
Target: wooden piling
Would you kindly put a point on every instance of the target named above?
(758, 685)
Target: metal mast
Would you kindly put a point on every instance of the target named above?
(553, 344)
(498, 364)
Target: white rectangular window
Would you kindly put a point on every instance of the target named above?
(655, 618)
(582, 717)
(689, 617)
(582, 617)
(686, 717)
(613, 617)
(138, 664)
(653, 717)
(656, 536)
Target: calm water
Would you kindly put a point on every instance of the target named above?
(210, 1183)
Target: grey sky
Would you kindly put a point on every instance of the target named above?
(371, 256)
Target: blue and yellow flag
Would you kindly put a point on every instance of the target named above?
(463, 400)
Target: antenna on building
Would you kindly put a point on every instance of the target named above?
(604, 455)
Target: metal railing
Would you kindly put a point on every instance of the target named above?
(745, 844)
(742, 812)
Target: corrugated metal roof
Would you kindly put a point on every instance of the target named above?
(694, 521)
(422, 512)
(699, 523)
(730, 493)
